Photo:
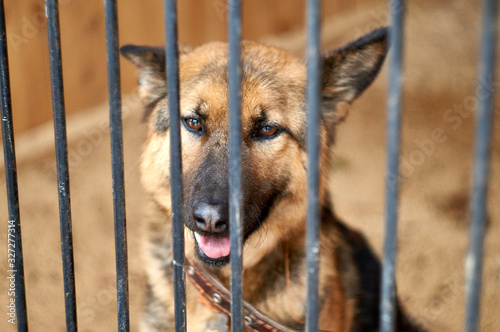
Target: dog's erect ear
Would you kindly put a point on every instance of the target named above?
(348, 71)
(151, 63)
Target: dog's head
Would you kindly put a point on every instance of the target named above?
(273, 133)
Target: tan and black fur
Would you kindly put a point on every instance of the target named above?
(274, 183)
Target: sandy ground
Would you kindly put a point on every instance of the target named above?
(441, 53)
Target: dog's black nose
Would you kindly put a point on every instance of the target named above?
(210, 217)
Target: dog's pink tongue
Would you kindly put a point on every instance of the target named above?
(215, 247)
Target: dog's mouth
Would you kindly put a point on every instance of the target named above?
(213, 250)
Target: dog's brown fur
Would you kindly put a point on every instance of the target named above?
(274, 181)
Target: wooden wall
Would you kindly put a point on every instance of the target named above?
(141, 22)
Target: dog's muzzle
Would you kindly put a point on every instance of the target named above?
(211, 230)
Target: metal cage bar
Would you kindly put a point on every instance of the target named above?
(235, 198)
(15, 264)
(116, 132)
(172, 65)
(482, 157)
(56, 74)
(388, 308)
(313, 149)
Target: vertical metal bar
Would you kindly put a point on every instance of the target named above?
(388, 295)
(313, 149)
(235, 200)
(115, 114)
(172, 63)
(482, 157)
(15, 263)
(62, 162)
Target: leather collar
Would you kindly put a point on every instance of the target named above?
(218, 298)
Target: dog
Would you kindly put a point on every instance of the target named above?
(274, 178)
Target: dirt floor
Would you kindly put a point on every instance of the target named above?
(440, 66)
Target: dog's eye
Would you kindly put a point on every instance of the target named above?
(193, 125)
(267, 131)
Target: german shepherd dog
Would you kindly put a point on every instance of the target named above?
(274, 176)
